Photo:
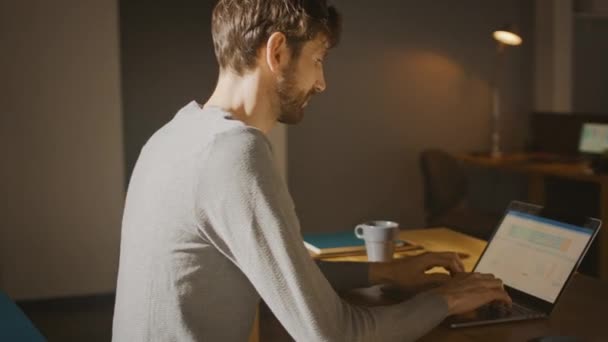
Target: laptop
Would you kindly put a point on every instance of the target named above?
(535, 252)
(594, 138)
(593, 144)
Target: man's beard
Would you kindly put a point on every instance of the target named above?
(291, 101)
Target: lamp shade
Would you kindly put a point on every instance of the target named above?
(507, 36)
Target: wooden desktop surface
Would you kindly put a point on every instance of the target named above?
(581, 310)
(537, 171)
(433, 240)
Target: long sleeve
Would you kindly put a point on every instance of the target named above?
(246, 212)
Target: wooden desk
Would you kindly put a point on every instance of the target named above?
(536, 173)
(434, 240)
(579, 312)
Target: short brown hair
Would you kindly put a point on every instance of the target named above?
(241, 27)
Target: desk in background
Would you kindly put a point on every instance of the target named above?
(536, 172)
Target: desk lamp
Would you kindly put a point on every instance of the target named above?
(504, 37)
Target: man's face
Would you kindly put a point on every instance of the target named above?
(300, 80)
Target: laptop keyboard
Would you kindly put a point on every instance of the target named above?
(496, 311)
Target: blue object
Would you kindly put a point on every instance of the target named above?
(14, 324)
(334, 240)
(339, 242)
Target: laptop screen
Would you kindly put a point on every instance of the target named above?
(594, 138)
(534, 254)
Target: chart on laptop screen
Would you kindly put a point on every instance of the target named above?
(534, 254)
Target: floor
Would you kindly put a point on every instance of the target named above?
(90, 319)
(72, 319)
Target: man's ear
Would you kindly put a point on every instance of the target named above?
(277, 52)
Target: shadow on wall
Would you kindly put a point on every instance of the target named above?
(439, 89)
(423, 99)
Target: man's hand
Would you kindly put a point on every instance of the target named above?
(409, 273)
(468, 291)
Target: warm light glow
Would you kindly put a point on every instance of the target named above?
(507, 37)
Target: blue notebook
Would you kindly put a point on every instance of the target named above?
(344, 242)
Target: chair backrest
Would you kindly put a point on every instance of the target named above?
(14, 324)
(445, 183)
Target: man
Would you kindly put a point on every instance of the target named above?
(209, 227)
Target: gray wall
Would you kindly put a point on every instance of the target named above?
(61, 143)
(408, 75)
(590, 66)
(167, 61)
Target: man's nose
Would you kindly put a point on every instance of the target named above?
(320, 84)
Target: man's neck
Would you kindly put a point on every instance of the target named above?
(247, 98)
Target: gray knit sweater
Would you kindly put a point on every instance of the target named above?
(209, 227)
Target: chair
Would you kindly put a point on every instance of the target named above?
(14, 324)
(445, 196)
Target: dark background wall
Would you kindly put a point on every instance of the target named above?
(167, 60)
(590, 78)
(408, 75)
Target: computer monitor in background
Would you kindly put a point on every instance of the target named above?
(594, 138)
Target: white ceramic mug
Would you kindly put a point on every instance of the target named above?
(379, 237)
